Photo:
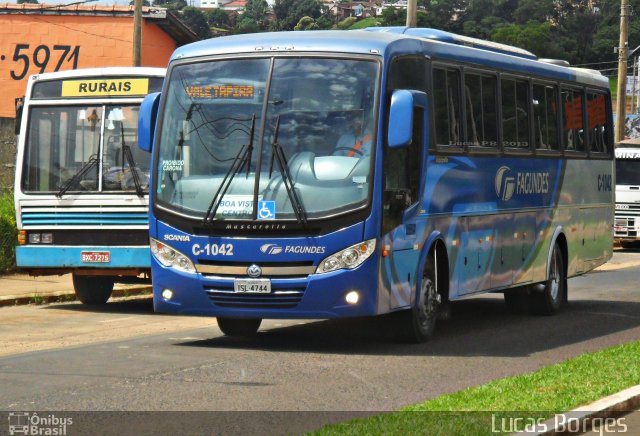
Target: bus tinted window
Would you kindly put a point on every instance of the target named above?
(480, 108)
(572, 121)
(598, 129)
(515, 113)
(545, 119)
(446, 100)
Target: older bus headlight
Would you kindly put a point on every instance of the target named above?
(170, 257)
(348, 258)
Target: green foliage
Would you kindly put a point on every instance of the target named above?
(306, 23)
(195, 19)
(256, 11)
(8, 232)
(216, 17)
(366, 22)
(246, 25)
(35, 2)
(346, 23)
(289, 12)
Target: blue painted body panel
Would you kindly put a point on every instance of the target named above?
(69, 257)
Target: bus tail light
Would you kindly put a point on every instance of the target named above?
(22, 237)
(348, 258)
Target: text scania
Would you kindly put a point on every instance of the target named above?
(181, 238)
(532, 183)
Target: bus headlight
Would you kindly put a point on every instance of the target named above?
(348, 258)
(170, 257)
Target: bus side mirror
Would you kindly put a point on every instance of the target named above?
(400, 129)
(147, 121)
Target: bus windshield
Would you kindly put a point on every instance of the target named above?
(64, 142)
(289, 132)
(627, 172)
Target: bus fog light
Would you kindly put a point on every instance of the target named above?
(47, 238)
(352, 297)
(167, 294)
(34, 238)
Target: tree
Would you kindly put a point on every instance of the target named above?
(306, 23)
(289, 12)
(246, 25)
(133, 3)
(218, 18)
(196, 21)
(35, 2)
(256, 11)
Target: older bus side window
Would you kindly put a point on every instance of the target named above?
(572, 120)
(545, 117)
(599, 131)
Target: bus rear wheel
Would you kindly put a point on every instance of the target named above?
(419, 322)
(549, 300)
(93, 289)
(239, 326)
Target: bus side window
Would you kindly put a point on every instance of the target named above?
(447, 106)
(597, 119)
(480, 107)
(515, 113)
(545, 120)
(572, 120)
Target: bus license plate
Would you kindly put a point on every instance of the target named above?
(95, 257)
(253, 286)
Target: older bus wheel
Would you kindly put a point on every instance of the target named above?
(93, 289)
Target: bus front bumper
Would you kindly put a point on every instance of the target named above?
(312, 297)
(38, 256)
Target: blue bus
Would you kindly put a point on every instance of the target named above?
(346, 174)
(81, 186)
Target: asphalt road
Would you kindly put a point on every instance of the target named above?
(185, 364)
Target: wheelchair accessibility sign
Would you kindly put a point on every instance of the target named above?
(266, 210)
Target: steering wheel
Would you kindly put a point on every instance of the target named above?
(355, 150)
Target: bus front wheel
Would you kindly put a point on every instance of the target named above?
(419, 322)
(93, 289)
(239, 326)
(550, 298)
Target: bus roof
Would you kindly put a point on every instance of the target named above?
(389, 41)
(102, 72)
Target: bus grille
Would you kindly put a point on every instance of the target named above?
(91, 216)
(625, 227)
(279, 298)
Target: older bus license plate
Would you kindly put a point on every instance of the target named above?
(254, 286)
(95, 257)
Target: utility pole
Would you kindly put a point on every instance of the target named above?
(137, 33)
(623, 51)
(412, 13)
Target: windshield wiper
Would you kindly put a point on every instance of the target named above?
(277, 154)
(242, 158)
(126, 154)
(93, 161)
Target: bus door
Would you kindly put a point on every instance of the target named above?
(401, 218)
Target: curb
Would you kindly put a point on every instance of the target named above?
(66, 296)
(583, 418)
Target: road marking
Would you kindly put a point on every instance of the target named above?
(116, 319)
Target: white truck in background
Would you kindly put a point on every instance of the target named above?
(626, 229)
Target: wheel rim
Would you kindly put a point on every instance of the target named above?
(428, 303)
(554, 276)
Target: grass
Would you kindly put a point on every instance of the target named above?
(365, 22)
(534, 397)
